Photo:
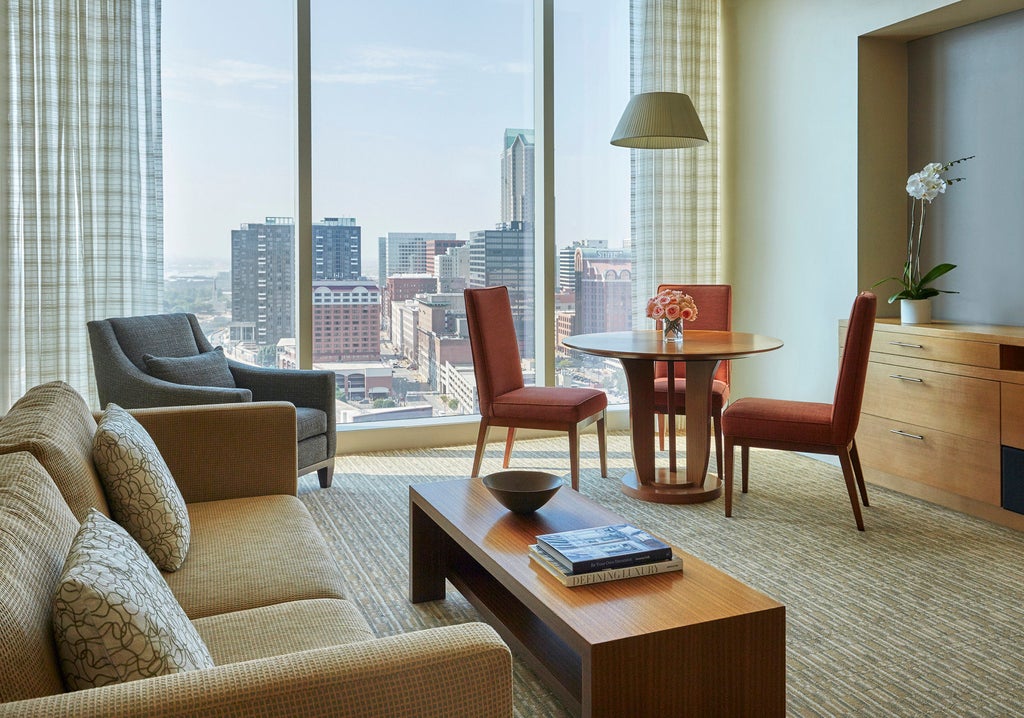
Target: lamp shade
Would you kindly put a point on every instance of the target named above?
(659, 121)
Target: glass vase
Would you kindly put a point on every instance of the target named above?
(672, 330)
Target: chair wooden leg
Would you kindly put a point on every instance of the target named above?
(481, 442)
(325, 475)
(574, 457)
(510, 439)
(858, 472)
(661, 432)
(851, 484)
(728, 477)
(602, 445)
(745, 462)
(717, 418)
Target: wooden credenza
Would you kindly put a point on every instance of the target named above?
(940, 402)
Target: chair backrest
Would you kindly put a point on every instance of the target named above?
(853, 368)
(492, 339)
(714, 312)
(162, 335)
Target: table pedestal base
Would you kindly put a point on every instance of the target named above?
(670, 488)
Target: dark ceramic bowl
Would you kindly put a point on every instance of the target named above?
(522, 492)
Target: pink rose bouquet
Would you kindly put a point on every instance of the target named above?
(672, 305)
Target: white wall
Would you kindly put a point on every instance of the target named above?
(790, 179)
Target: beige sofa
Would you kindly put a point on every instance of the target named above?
(259, 582)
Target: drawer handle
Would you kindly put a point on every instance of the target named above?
(906, 378)
(906, 434)
(909, 346)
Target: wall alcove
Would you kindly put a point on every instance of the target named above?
(946, 82)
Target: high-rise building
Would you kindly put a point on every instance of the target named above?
(263, 273)
(567, 261)
(406, 252)
(263, 281)
(382, 262)
(505, 256)
(346, 321)
(398, 289)
(452, 269)
(337, 249)
(604, 290)
(437, 247)
(517, 178)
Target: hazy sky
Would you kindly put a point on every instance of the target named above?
(410, 103)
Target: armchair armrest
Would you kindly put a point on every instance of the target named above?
(308, 388)
(303, 387)
(461, 670)
(226, 451)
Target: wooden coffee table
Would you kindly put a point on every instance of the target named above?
(691, 643)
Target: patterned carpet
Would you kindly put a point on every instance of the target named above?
(921, 615)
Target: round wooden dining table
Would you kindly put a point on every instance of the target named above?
(702, 351)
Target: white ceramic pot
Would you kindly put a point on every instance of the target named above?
(915, 311)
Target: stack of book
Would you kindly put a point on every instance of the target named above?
(603, 553)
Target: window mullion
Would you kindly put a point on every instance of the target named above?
(544, 193)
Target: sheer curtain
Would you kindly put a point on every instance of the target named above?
(82, 192)
(676, 223)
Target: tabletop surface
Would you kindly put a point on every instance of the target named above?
(601, 612)
(649, 344)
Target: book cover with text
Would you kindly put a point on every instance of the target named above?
(567, 578)
(600, 547)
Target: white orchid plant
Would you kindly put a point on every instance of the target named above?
(923, 187)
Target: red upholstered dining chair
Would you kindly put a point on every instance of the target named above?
(505, 401)
(810, 426)
(714, 312)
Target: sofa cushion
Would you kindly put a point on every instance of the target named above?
(253, 552)
(140, 490)
(114, 618)
(53, 423)
(206, 369)
(36, 528)
(282, 629)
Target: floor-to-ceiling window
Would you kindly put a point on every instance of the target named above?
(423, 185)
(228, 80)
(594, 255)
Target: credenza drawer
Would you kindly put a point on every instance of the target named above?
(919, 346)
(964, 466)
(1013, 415)
(947, 402)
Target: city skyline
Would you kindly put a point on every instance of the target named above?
(408, 124)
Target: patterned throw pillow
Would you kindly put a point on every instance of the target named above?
(114, 617)
(206, 369)
(142, 494)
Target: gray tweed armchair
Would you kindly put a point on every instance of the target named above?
(166, 360)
